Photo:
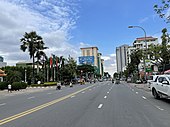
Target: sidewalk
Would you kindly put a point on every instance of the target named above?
(141, 86)
(5, 93)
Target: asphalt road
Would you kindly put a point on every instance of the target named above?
(101, 104)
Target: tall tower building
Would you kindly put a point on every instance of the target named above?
(121, 57)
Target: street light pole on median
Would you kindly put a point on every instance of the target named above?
(145, 55)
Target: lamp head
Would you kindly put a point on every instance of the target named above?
(130, 26)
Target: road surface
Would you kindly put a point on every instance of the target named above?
(102, 104)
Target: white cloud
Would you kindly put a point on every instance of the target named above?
(83, 44)
(110, 63)
(106, 58)
(52, 20)
(142, 20)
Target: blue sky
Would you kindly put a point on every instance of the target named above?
(105, 23)
(68, 25)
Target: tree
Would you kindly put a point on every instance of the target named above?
(85, 68)
(136, 58)
(68, 69)
(162, 10)
(115, 75)
(161, 53)
(41, 56)
(33, 43)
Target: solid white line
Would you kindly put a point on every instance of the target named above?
(105, 97)
(100, 106)
(136, 92)
(31, 97)
(144, 97)
(2, 104)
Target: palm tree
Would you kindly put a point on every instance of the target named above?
(33, 43)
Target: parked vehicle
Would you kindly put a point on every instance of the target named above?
(117, 81)
(128, 80)
(151, 79)
(161, 86)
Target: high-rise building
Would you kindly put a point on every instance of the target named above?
(90, 51)
(90, 55)
(2, 63)
(121, 58)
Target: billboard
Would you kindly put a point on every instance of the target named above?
(86, 60)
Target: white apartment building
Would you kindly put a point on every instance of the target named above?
(139, 43)
(123, 52)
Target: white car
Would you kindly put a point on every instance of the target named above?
(161, 86)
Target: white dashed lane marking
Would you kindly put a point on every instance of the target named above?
(83, 92)
(100, 106)
(144, 97)
(2, 104)
(31, 97)
(49, 93)
(105, 97)
(107, 92)
(136, 92)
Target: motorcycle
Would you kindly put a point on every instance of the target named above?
(71, 84)
(58, 87)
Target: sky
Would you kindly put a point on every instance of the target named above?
(68, 25)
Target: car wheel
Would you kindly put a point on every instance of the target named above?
(155, 94)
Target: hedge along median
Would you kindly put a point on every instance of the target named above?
(18, 85)
(45, 84)
(3, 85)
(14, 85)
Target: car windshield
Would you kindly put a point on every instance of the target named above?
(84, 63)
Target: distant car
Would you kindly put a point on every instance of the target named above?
(117, 81)
(128, 80)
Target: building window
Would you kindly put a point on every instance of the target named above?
(83, 52)
(88, 52)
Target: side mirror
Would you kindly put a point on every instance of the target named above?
(165, 82)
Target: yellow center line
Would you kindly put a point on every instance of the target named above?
(16, 116)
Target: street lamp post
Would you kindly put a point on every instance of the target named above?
(145, 48)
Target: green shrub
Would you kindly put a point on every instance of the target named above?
(3, 85)
(45, 84)
(19, 85)
(49, 84)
